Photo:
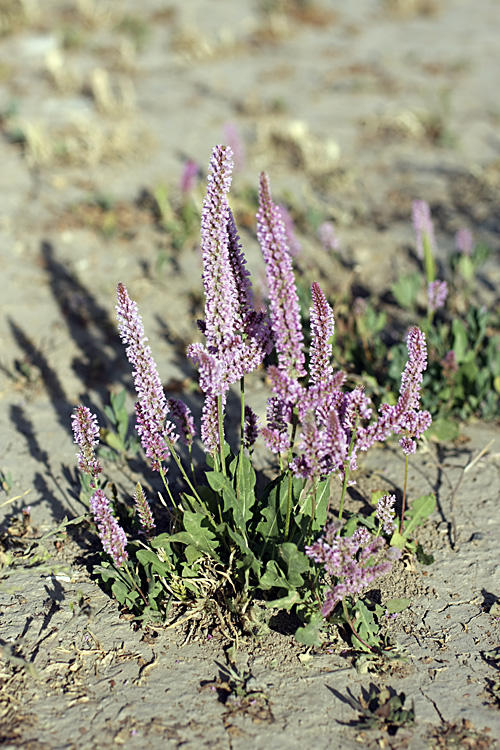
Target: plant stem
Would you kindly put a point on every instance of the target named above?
(183, 472)
(288, 506)
(374, 649)
(242, 437)
(295, 419)
(347, 464)
(166, 485)
(221, 434)
(403, 505)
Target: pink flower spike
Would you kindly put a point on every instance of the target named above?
(221, 301)
(422, 224)
(322, 328)
(437, 291)
(284, 303)
(86, 434)
(151, 409)
(111, 534)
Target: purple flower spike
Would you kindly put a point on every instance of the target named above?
(151, 409)
(251, 428)
(328, 237)
(385, 513)
(285, 311)
(86, 434)
(143, 510)
(322, 328)
(294, 245)
(437, 291)
(221, 301)
(464, 241)
(185, 420)
(210, 423)
(424, 229)
(353, 561)
(412, 376)
(189, 177)
(111, 534)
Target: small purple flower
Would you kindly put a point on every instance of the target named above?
(86, 434)
(354, 562)
(111, 534)
(143, 510)
(385, 513)
(151, 409)
(189, 177)
(437, 291)
(464, 241)
(422, 224)
(284, 303)
(328, 237)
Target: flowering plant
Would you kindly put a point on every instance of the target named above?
(221, 544)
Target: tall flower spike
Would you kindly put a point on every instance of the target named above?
(143, 510)
(284, 303)
(437, 291)
(111, 534)
(422, 224)
(86, 434)
(218, 280)
(151, 409)
(322, 328)
(241, 275)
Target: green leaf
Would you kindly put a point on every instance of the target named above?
(420, 509)
(460, 343)
(406, 289)
(273, 577)
(112, 439)
(197, 532)
(148, 557)
(443, 430)
(422, 556)
(296, 561)
(396, 605)
(310, 634)
(244, 480)
(285, 602)
(305, 507)
(118, 401)
(398, 540)
(273, 503)
(365, 625)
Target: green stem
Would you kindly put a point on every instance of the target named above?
(295, 419)
(430, 266)
(166, 485)
(403, 506)
(221, 434)
(184, 475)
(288, 505)
(242, 437)
(135, 586)
(347, 463)
(354, 631)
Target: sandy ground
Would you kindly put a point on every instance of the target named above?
(354, 109)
